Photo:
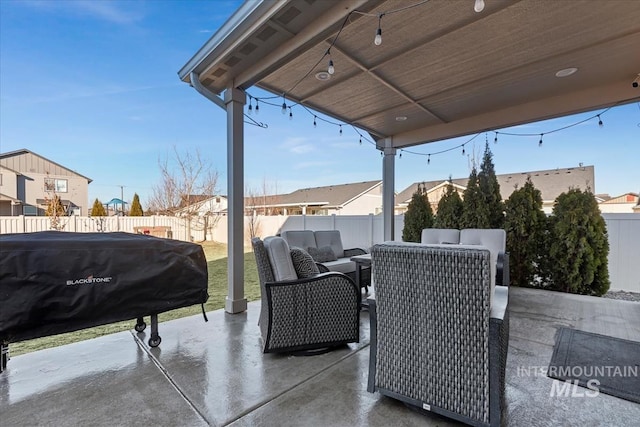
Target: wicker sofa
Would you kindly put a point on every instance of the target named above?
(438, 339)
(308, 314)
(339, 259)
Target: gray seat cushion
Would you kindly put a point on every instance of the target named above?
(342, 265)
(330, 238)
(280, 258)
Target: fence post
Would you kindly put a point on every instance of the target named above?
(333, 221)
(371, 230)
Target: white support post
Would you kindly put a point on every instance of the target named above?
(235, 99)
(388, 189)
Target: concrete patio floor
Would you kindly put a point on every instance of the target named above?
(215, 374)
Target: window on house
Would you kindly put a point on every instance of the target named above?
(55, 185)
(29, 210)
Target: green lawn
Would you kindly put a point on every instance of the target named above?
(216, 254)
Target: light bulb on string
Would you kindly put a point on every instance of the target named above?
(331, 68)
(377, 40)
(340, 130)
(495, 140)
(600, 121)
(479, 6)
(250, 105)
(284, 108)
(314, 122)
(257, 107)
(400, 156)
(290, 114)
(428, 159)
(360, 139)
(540, 142)
(463, 152)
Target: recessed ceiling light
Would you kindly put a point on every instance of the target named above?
(323, 76)
(566, 72)
(401, 118)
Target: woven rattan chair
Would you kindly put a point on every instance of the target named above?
(439, 335)
(309, 315)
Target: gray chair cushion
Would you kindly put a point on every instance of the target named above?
(303, 263)
(322, 254)
(440, 235)
(330, 238)
(299, 238)
(280, 258)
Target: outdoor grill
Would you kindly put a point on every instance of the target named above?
(54, 282)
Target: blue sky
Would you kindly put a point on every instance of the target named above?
(93, 86)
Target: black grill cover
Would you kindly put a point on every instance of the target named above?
(53, 282)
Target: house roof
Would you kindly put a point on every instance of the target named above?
(551, 183)
(624, 198)
(330, 196)
(25, 151)
(447, 70)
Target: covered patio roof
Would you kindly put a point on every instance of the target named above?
(447, 69)
(442, 70)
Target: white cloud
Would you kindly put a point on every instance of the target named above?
(298, 145)
(104, 10)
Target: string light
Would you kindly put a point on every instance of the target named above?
(360, 139)
(377, 40)
(340, 130)
(284, 105)
(315, 125)
(290, 114)
(540, 142)
(495, 140)
(479, 6)
(250, 105)
(429, 159)
(257, 107)
(463, 149)
(600, 121)
(400, 156)
(331, 68)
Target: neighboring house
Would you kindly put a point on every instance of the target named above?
(202, 205)
(28, 181)
(551, 184)
(626, 203)
(361, 198)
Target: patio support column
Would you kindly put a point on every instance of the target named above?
(235, 99)
(388, 189)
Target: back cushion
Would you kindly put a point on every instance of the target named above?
(299, 238)
(493, 239)
(330, 238)
(438, 236)
(280, 258)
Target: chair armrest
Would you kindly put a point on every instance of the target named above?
(332, 278)
(348, 253)
(502, 269)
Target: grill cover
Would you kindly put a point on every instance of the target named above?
(53, 282)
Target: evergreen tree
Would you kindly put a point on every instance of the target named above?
(136, 207)
(449, 209)
(490, 190)
(418, 216)
(525, 224)
(98, 209)
(473, 205)
(579, 245)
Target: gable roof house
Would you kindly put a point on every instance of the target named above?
(551, 184)
(28, 181)
(360, 198)
(625, 203)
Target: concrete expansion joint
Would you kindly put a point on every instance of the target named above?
(165, 373)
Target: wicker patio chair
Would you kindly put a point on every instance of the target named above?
(309, 315)
(438, 337)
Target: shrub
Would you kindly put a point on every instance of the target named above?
(579, 245)
(136, 207)
(472, 203)
(490, 191)
(525, 224)
(98, 209)
(418, 216)
(449, 209)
